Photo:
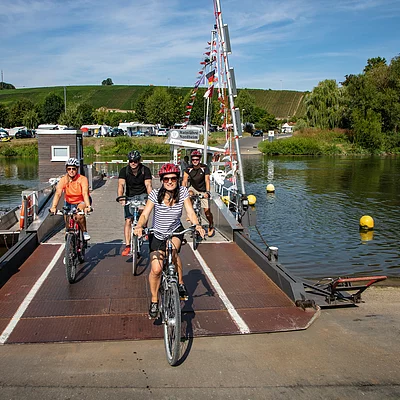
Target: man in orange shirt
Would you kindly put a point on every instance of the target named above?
(76, 189)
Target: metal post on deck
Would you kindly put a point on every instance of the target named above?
(25, 204)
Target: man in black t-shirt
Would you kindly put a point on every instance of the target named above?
(135, 179)
(198, 175)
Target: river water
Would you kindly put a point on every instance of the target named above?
(313, 216)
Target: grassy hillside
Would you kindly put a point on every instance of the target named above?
(279, 103)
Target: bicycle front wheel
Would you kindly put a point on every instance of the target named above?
(195, 237)
(134, 251)
(71, 258)
(172, 323)
(81, 248)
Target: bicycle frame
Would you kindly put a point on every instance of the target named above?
(75, 244)
(136, 243)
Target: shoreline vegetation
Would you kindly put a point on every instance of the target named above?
(311, 141)
(319, 142)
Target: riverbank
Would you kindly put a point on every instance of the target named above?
(104, 146)
(346, 353)
(309, 142)
(317, 142)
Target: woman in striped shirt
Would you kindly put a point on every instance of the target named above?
(168, 203)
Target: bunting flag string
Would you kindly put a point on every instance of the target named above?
(199, 80)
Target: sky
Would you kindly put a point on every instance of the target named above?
(289, 45)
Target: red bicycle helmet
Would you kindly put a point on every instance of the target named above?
(195, 153)
(169, 168)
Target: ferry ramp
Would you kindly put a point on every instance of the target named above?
(229, 293)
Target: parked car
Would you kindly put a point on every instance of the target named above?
(24, 134)
(162, 132)
(116, 132)
(257, 133)
(4, 136)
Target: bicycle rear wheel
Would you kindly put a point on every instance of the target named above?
(71, 258)
(172, 323)
(134, 251)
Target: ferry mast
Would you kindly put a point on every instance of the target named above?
(235, 116)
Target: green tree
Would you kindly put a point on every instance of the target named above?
(259, 113)
(107, 82)
(374, 96)
(3, 115)
(18, 110)
(268, 122)
(367, 129)
(140, 105)
(325, 105)
(101, 116)
(31, 119)
(84, 115)
(246, 104)
(52, 108)
(159, 108)
(374, 62)
(69, 118)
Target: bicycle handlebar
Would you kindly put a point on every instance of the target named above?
(191, 228)
(131, 200)
(200, 196)
(72, 211)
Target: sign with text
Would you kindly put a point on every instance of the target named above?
(184, 134)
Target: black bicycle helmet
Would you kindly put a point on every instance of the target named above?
(134, 156)
(73, 162)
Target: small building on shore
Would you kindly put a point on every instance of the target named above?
(286, 128)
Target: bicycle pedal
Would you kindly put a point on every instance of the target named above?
(184, 298)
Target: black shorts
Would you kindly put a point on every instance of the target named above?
(160, 245)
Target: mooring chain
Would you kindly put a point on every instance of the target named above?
(259, 233)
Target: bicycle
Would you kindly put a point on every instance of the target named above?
(136, 243)
(75, 244)
(169, 299)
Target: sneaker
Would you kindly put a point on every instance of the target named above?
(153, 310)
(183, 292)
(126, 251)
(86, 236)
(211, 231)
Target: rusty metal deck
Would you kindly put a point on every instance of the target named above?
(108, 303)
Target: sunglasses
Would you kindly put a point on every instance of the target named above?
(135, 160)
(71, 169)
(195, 159)
(172, 179)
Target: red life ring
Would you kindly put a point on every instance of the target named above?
(22, 214)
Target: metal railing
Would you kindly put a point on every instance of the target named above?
(112, 168)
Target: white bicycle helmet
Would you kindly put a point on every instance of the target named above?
(72, 161)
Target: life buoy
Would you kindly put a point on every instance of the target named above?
(22, 215)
